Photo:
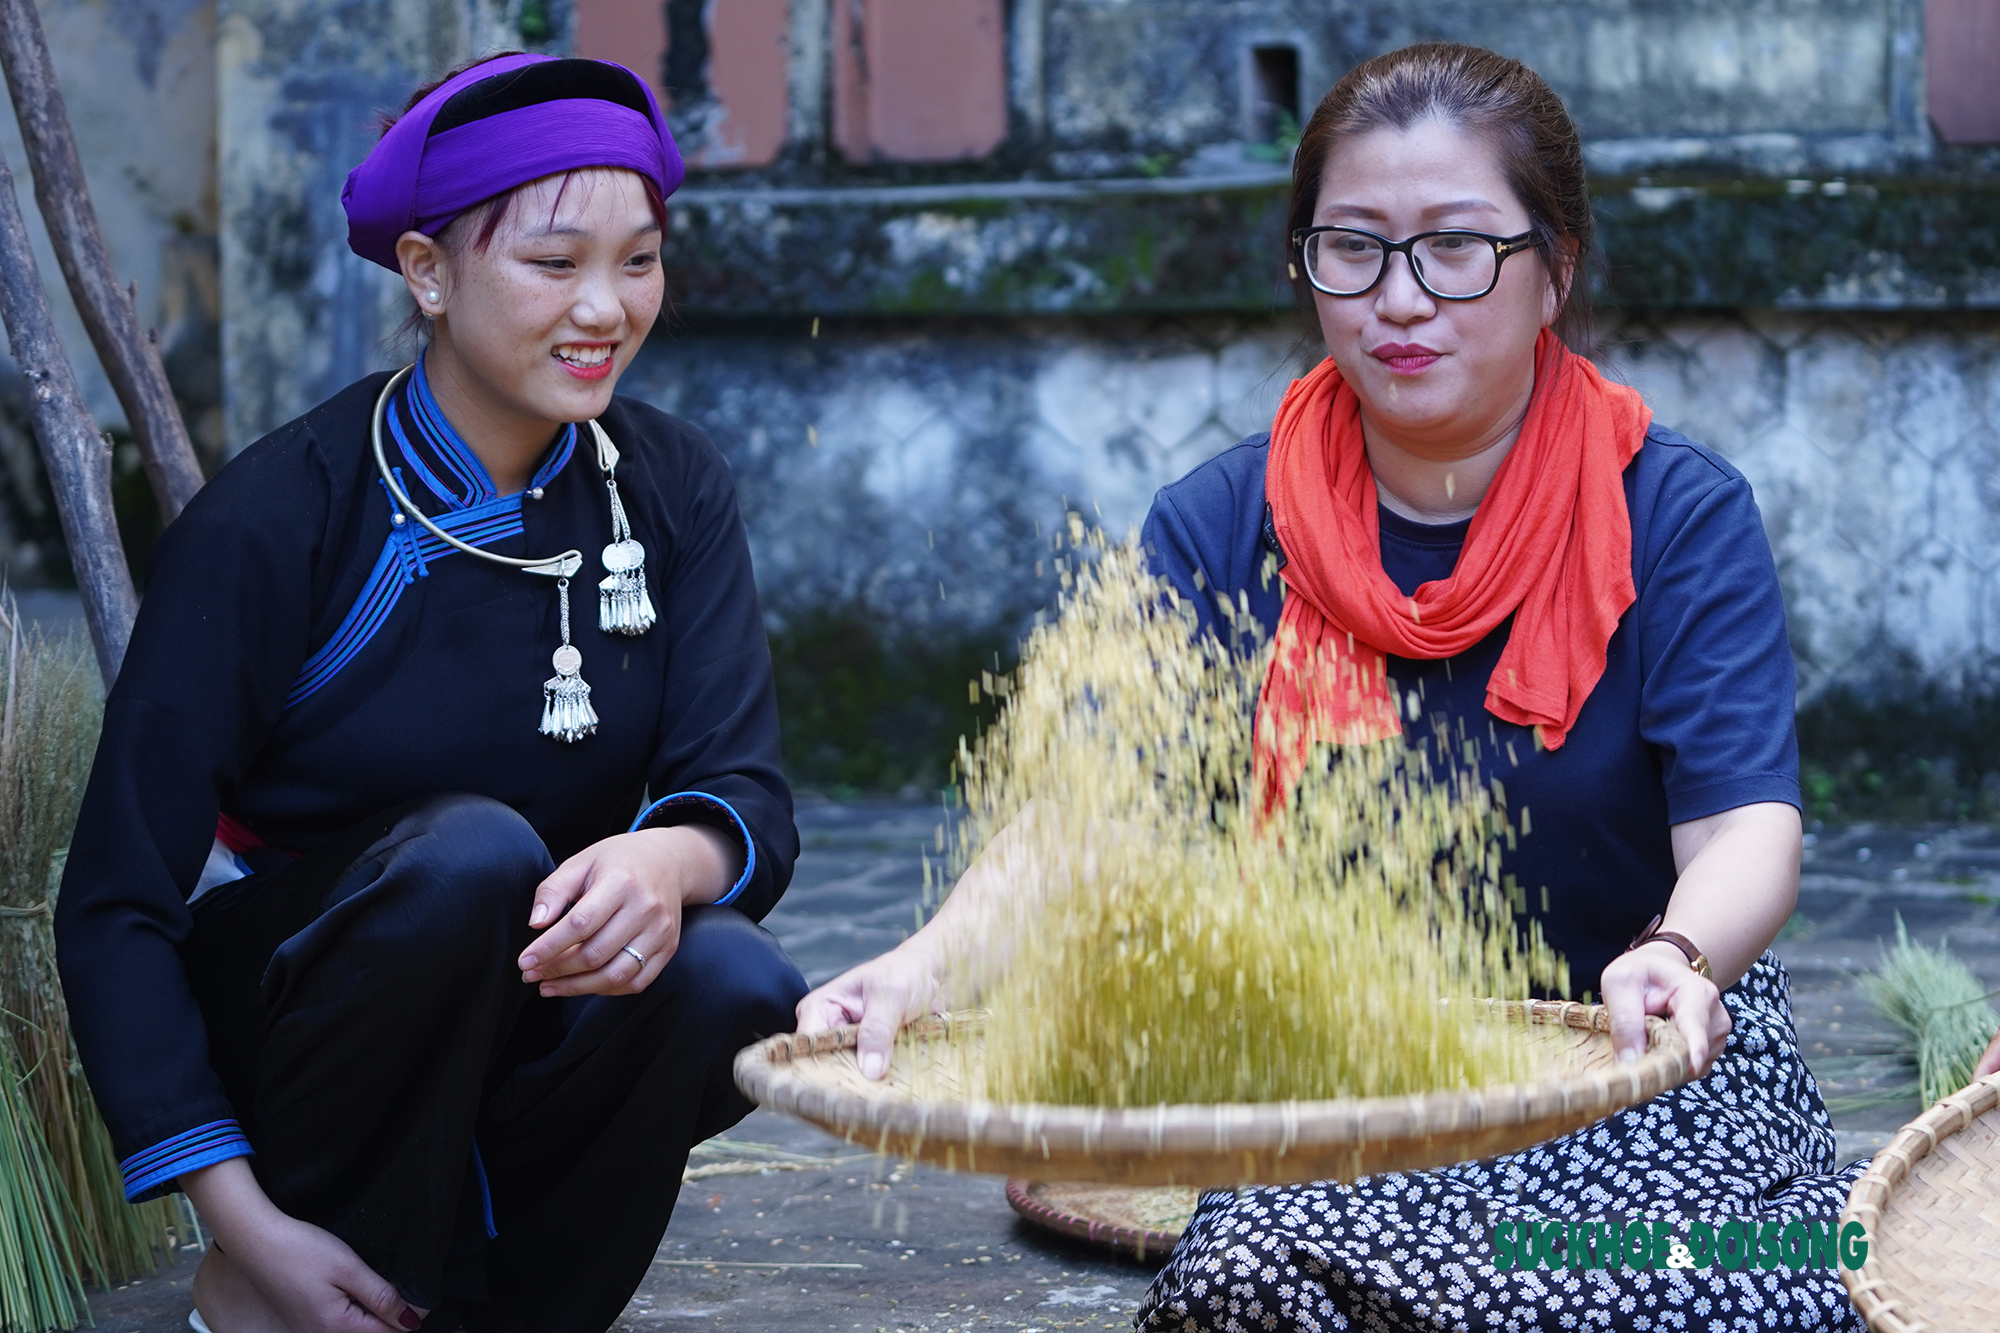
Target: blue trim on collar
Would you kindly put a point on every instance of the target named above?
(415, 458)
(711, 802)
(481, 516)
(434, 431)
(451, 449)
(558, 456)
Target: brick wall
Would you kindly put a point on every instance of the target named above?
(911, 80)
(1962, 69)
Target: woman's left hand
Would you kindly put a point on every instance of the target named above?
(623, 897)
(1656, 979)
(1989, 1063)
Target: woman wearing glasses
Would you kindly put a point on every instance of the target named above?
(1511, 547)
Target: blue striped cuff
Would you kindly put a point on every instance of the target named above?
(151, 1173)
(702, 800)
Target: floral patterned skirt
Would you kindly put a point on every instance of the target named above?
(1413, 1250)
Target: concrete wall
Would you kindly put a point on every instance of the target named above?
(878, 463)
(720, 71)
(1873, 442)
(301, 85)
(902, 463)
(1093, 308)
(139, 80)
(1778, 85)
(1764, 87)
(913, 469)
(1098, 87)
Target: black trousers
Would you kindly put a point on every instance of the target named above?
(506, 1160)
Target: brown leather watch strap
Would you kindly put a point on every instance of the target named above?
(1696, 958)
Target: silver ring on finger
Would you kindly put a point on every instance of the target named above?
(637, 956)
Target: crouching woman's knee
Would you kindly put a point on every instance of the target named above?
(464, 868)
(730, 974)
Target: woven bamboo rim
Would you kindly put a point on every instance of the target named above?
(1931, 1204)
(1144, 1221)
(816, 1078)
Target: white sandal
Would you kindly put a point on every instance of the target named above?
(197, 1323)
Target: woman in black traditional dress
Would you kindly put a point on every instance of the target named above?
(409, 925)
(1461, 513)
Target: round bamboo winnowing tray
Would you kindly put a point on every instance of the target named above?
(1144, 1221)
(1931, 1204)
(817, 1078)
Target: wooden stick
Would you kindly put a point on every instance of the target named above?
(130, 356)
(78, 460)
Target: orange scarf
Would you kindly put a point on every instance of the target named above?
(1551, 545)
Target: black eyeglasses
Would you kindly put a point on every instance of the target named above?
(1450, 265)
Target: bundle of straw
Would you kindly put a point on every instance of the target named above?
(63, 1215)
(1940, 1005)
(1174, 942)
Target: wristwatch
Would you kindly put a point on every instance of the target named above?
(1696, 958)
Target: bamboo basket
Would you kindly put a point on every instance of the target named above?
(1931, 1204)
(817, 1079)
(1144, 1221)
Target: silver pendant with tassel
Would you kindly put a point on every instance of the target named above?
(623, 607)
(566, 712)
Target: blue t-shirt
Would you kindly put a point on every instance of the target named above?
(1693, 715)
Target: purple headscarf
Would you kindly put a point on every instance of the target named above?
(510, 128)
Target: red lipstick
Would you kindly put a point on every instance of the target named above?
(1405, 358)
(588, 372)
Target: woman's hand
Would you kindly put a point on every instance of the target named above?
(307, 1278)
(881, 995)
(1656, 979)
(1989, 1063)
(1738, 881)
(623, 898)
(971, 938)
(313, 1281)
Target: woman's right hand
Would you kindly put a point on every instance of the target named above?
(1656, 979)
(971, 937)
(308, 1276)
(881, 995)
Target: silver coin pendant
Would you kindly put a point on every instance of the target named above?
(622, 557)
(567, 660)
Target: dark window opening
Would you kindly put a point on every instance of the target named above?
(1275, 110)
(686, 64)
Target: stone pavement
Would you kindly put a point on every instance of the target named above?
(838, 1240)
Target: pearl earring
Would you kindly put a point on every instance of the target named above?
(432, 297)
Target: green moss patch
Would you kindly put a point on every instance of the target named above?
(863, 710)
(1916, 754)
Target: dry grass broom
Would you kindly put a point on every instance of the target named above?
(1940, 1005)
(62, 1206)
